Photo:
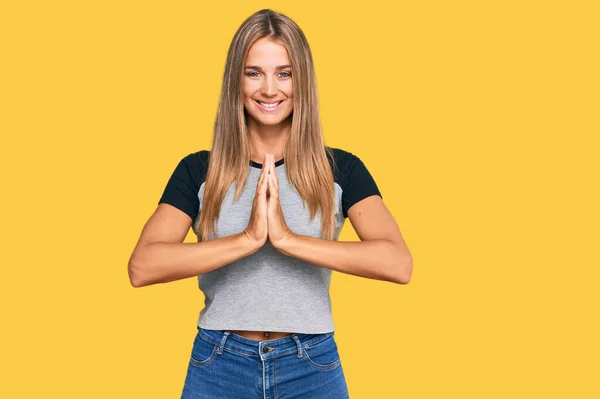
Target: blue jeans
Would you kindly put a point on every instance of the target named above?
(225, 365)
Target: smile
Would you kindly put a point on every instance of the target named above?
(269, 107)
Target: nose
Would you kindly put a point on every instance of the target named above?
(269, 87)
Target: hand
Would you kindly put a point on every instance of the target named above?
(278, 230)
(257, 226)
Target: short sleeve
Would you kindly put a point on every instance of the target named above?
(182, 188)
(358, 185)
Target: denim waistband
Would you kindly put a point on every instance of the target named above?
(225, 339)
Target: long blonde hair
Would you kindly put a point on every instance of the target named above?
(307, 167)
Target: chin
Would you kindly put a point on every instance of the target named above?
(271, 123)
(268, 121)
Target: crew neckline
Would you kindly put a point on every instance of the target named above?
(259, 165)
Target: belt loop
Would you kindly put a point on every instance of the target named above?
(225, 335)
(298, 344)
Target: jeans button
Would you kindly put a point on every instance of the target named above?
(265, 349)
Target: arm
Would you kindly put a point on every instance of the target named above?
(381, 254)
(160, 255)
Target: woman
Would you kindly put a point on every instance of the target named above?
(267, 228)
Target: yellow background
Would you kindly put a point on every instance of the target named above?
(478, 120)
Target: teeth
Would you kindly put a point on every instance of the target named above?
(273, 105)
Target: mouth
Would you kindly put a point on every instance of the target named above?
(269, 107)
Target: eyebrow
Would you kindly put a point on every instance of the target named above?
(260, 69)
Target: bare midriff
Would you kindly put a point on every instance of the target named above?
(260, 335)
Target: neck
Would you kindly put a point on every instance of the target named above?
(267, 139)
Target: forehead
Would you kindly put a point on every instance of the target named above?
(267, 53)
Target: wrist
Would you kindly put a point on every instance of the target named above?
(283, 244)
(249, 243)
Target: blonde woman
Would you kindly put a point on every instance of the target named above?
(267, 203)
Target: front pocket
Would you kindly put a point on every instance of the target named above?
(322, 355)
(203, 351)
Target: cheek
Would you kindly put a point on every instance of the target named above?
(290, 101)
(246, 92)
(248, 89)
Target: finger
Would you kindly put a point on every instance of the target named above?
(266, 164)
(269, 189)
(262, 179)
(270, 176)
(270, 164)
(265, 167)
(273, 182)
(273, 188)
(273, 164)
(275, 178)
(264, 184)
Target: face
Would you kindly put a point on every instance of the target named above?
(267, 83)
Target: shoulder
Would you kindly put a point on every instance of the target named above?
(354, 178)
(196, 164)
(185, 182)
(198, 158)
(191, 169)
(342, 162)
(342, 157)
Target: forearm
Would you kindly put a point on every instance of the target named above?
(375, 259)
(161, 262)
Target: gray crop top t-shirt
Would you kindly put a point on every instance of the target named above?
(267, 291)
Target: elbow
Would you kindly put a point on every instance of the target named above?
(404, 272)
(135, 271)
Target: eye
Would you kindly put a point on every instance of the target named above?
(288, 74)
(250, 73)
